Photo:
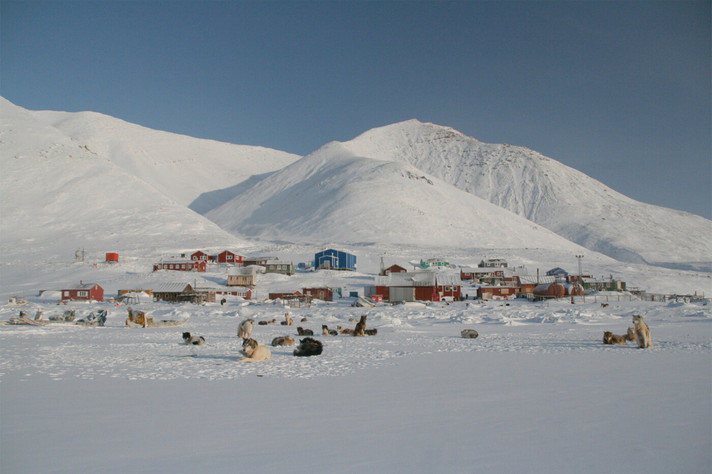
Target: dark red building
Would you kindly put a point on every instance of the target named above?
(83, 292)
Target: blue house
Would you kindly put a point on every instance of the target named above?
(557, 272)
(335, 260)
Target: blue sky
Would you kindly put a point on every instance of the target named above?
(618, 90)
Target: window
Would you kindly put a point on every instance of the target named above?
(65, 294)
(229, 257)
(82, 294)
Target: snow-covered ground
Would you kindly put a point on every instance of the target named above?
(537, 391)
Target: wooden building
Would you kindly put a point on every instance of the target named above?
(182, 265)
(83, 292)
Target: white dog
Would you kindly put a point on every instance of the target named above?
(642, 332)
(244, 330)
(254, 351)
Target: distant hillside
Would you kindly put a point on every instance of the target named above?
(186, 169)
(58, 194)
(547, 192)
(335, 195)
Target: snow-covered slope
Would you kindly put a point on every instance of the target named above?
(189, 170)
(335, 195)
(547, 192)
(57, 195)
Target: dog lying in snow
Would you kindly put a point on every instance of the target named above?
(265, 323)
(283, 341)
(328, 332)
(254, 351)
(642, 332)
(193, 340)
(344, 330)
(610, 338)
(370, 332)
(308, 347)
(304, 332)
(469, 333)
(244, 330)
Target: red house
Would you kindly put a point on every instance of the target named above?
(200, 256)
(393, 269)
(324, 294)
(229, 257)
(418, 286)
(182, 266)
(83, 292)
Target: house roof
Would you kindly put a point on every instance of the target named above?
(426, 278)
(81, 286)
(171, 287)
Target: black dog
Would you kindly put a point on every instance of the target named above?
(308, 347)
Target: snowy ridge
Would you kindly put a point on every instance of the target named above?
(57, 194)
(547, 192)
(181, 167)
(335, 195)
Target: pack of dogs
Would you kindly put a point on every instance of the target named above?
(639, 333)
(253, 351)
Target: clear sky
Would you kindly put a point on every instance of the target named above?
(618, 90)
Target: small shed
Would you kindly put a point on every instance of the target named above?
(324, 294)
(83, 292)
(112, 257)
(332, 259)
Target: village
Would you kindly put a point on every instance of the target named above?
(427, 280)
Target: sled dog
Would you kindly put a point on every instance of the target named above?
(308, 347)
(244, 330)
(283, 341)
(610, 338)
(304, 332)
(254, 351)
(193, 340)
(287, 320)
(469, 333)
(360, 328)
(328, 332)
(642, 332)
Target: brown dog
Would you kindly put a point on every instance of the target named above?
(360, 329)
(304, 332)
(283, 341)
(610, 338)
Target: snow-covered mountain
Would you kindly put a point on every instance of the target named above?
(547, 192)
(73, 180)
(180, 167)
(336, 195)
(89, 181)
